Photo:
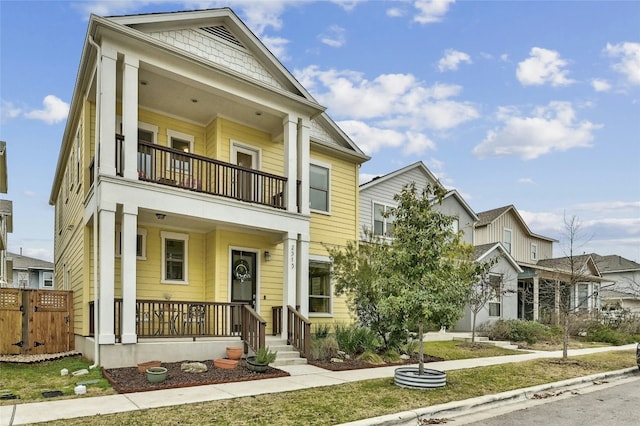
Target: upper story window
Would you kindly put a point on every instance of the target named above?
(319, 287)
(382, 220)
(78, 154)
(506, 239)
(175, 256)
(181, 142)
(146, 133)
(319, 187)
(141, 243)
(534, 251)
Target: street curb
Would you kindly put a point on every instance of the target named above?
(481, 403)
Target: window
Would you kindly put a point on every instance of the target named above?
(47, 279)
(145, 165)
(141, 243)
(78, 155)
(319, 287)
(181, 142)
(23, 279)
(382, 220)
(455, 225)
(319, 188)
(583, 296)
(506, 239)
(174, 258)
(534, 251)
(495, 303)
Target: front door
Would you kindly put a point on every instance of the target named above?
(247, 159)
(243, 277)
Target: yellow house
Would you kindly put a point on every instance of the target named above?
(196, 186)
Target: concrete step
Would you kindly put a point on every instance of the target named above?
(286, 354)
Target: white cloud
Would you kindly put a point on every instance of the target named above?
(347, 5)
(392, 100)
(54, 111)
(395, 12)
(366, 177)
(547, 129)
(431, 11)
(504, 57)
(600, 85)
(527, 181)
(629, 64)
(334, 36)
(451, 60)
(8, 111)
(277, 46)
(372, 139)
(543, 66)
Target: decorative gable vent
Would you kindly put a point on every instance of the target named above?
(223, 33)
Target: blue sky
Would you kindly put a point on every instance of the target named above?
(535, 104)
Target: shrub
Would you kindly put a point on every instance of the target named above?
(371, 357)
(322, 331)
(324, 348)
(356, 340)
(601, 333)
(520, 331)
(391, 356)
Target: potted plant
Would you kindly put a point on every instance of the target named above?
(261, 360)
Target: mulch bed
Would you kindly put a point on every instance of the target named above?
(129, 379)
(356, 364)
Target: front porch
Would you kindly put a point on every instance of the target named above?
(179, 330)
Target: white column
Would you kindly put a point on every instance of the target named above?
(130, 116)
(289, 278)
(303, 274)
(304, 158)
(107, 108)
(536, 298)
(107, 223)
(128, 240)
(290, 125)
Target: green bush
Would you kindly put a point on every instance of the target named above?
(354, 340)
(321, 331)
(521, 331)
(324, 348)
(371, 357)
(391, 356)
(603, 334)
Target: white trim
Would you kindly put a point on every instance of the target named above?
(43, 279)
(182, 136)
(165, 235)
(255, 152)
(532, 251)
(373, 217)
(149, 128)
(328, 167)
(323, 259)
(139, 231)
(510, 248)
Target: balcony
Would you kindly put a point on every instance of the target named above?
(175, 168)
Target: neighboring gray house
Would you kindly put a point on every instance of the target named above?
(6, 216)
(622, 289)
(376, 196)
(504, 278)
(30, 273)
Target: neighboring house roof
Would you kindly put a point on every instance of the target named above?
(455, 194)
(615, 264)
(25, 262)
(483, 251)
(487, 217)
(581, 264)
(143, 29)
(419, 165)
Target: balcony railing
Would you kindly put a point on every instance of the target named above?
(168, 166)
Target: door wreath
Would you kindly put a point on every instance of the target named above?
(241, 270)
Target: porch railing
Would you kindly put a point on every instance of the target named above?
(298, 331)
(172, 167)
(253, 329)
(180, 319)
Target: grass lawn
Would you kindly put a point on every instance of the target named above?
(343, 403)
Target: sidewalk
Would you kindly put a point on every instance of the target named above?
(301, 377)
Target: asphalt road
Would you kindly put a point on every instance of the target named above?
(615, 403)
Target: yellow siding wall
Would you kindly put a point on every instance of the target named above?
(338, 227)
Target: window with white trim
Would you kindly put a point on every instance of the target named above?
(495, 302)
(146, 133)
(319, 287)
(319, 187)
(181, 142)
(534, 251)
(47, 280)
(506, 239)
(382, 220)
(175, 257)
(141, 243)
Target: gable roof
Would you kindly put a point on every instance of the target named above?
(488, 217)
(160, 34)
(564, 264)
(26, 262)
(418, 165)
(614, 263)
(483, 251)
(455, 194)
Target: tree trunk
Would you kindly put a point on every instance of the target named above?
(473, 328)
(565, 338)
(421, 351)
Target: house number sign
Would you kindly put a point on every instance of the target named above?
(293, 256)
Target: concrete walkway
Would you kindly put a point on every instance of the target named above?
(301, 377)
